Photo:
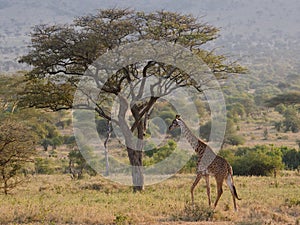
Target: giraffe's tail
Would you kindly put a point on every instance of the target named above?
(231, 184)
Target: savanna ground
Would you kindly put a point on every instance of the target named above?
(56, 199)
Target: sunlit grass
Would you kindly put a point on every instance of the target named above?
(60, 200)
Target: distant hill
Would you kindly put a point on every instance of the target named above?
(250, 30)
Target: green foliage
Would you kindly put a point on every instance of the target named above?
(158, 154)
(289, 98)
(166, 158)
(292, 120)
(69, 140)
(48, 94)
(191, 165)
(51, 137)
(231, 137)
(280, 108)
(291, 158)
(235, 139)
(242, 99)
(292, 202)
(102, 126)
(166, 114)
(64, 123)
(121, 219)
(47, 166)
(9, 88)
(261, 160)
(70, 48)
(78, 164)
(16, 150)
(236, 111)
(278, 126)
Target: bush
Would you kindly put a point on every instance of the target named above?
(292, 120)
(292, 202)
(167, 159)
(121, 219)
(194, 213)
(190, 166)
(44, 166)
(231, 137)
(158, 154)
(235, 140)
(291, 158)
(261, 160)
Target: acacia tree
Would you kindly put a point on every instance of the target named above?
(288, 105)
(61, 54)
(16, 149)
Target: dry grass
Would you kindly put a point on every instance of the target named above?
(253, 132)
(59, 200)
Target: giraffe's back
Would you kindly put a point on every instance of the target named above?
(219, 167)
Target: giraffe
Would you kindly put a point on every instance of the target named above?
(209, 164)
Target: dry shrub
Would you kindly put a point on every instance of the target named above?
(292, 202)
(194, 212)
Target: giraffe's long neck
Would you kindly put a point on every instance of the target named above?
(198, 145)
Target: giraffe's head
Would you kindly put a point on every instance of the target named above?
(175, 123)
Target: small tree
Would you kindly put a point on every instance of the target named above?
(16, 150)
(288, 105)
(266, 134)
(291, 158)
(292, 120)
(78, 164)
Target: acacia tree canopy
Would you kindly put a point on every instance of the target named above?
(289, 98)
(61, 54)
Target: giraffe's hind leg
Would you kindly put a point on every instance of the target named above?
(232, 190)
(194, 185)
(219, 189)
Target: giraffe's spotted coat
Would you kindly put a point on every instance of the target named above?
(208, 164)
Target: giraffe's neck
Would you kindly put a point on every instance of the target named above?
(197, 144)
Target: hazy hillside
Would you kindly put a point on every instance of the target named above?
(250, 30)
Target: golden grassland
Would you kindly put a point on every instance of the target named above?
(56, 199)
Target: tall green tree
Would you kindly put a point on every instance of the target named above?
(61, 54)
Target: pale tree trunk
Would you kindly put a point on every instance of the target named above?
(106, 149)
(134, 148)
(134, 145)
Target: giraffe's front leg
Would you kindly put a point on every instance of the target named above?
(194, 185)
(208, 189)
